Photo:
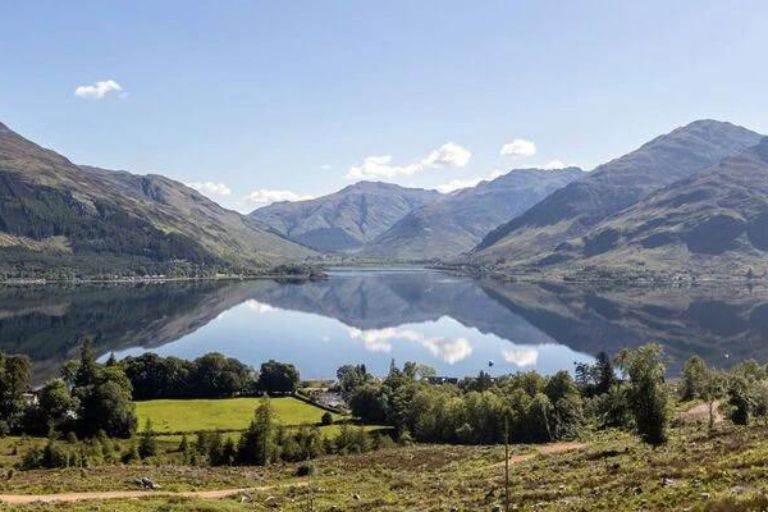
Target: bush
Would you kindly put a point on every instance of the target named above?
(327, 419)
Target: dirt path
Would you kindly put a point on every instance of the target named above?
(18, 499)
(700, 414)
(545, 449)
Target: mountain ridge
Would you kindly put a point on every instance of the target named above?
(343, 221)
(59, 218)
(571, 211)
(458, 221)
(714, 221)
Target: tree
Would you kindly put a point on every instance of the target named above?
(367, 403)
(104, 396)
(740, 399)
(351, 377)
(87, 371)
(712, 388)
(147, 442)
(56, 404)
(14, 382)
(694, 377)
(257, 444)
(647, 397)
(596, 378)
(277, 377)
(218, 376)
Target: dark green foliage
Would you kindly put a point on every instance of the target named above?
(367, 403)
(694, 378)
(597, 378)
(104, 397)
(275, 377)
(257, 445)
(327, 419)
(740, 399)
(147, 442)
(212, 375)
(351, 377)
(647, 397)
(14, 382)
(54, 411)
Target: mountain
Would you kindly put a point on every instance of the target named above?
(58, 218)
(346, 220)
(571, 211)
(715, 221)
(459, 221)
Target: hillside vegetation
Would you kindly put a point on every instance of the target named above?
(61, 220)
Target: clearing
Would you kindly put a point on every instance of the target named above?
(169, 416)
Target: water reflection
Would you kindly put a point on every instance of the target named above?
(455, 324)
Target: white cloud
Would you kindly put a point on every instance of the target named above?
(265, 197)
(447, 155)
(211, 189)
(454, 185)
(519, 148)
(521, 356)
(98, 90)
(259, 307)
(556, 164)
(449, 350)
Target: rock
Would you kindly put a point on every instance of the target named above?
(271, 502)
(454, 509)
(356, 497)
(738, 489)
(705, 495)
(147, 483)
(666, 482)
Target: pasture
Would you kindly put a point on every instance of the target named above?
(169, 416)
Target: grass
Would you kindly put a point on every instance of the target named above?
(175, 416)
(726, 470)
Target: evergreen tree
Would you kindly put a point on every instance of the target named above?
(647, 396)
(147, 441)
(257, 444)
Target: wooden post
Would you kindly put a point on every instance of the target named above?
(506, 463)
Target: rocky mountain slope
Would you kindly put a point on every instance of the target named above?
(459, 221)
(59, 219)
(714, 221)
(345, 220)
(573, 210)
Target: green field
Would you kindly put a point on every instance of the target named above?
(221, 414)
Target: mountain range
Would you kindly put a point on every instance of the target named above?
(61, 219)
(693, 201)
(596, 221)
(345, 220)
(715, 221)
(458, 222)
(381, 221)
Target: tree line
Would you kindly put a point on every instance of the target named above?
(91, 397)
(628, 391)
(210, 376)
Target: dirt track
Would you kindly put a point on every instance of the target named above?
(18, 499)
(546, 449)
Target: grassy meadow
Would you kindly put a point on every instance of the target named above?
(722, 471)
(231, 414)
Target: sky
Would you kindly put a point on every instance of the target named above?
(255, 101)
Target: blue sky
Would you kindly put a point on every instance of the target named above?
(297, 96)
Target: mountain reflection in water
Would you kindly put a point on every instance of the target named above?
(454, 324)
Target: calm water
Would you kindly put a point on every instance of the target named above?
(454, 324)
